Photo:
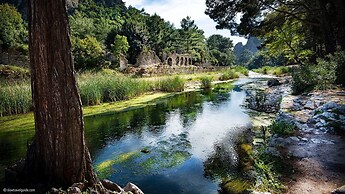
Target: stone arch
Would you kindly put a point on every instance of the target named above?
(177, 60)
(182, 61)
(190, 61)
(170, 61)
(185, 61)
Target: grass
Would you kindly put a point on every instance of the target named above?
(170, 84)
(277, 71)
(15, 98)
(282, 129)
(95, 88)
(229, 74)
(241, 70)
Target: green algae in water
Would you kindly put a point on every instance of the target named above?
(106, 168)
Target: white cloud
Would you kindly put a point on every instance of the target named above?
(175, 10)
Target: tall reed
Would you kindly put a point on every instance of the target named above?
(15, 98)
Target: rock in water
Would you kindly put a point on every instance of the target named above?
(273, 82)
(130, 187)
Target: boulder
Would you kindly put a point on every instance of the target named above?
(72, 190)
(310, 105)
(273, 82)
(329, 105)
(130, 187)
(111, 186)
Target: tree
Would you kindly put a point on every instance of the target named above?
(87, 52)
(12, 27)
(120, 47)
(58, 154)
(221, 49)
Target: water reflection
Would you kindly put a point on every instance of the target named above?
(162, 148)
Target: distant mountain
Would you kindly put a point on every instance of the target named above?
(252, 45)
(243, 53)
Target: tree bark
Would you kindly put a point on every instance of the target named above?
(58, 155)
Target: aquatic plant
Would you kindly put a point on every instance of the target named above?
(229, 74)
(170, 84)
(206, 82)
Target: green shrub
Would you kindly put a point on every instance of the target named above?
(324, 74)
(229, 74)
(206, 82)
(277, 71)
(15, 99)
(282, 128)
(242, 70)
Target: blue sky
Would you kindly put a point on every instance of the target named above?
(175, 10)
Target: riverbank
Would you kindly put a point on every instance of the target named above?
(307, 136)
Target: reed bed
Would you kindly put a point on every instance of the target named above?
(15, 98)
(95, 88)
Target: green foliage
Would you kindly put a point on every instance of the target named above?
(282, 128)
(206, 82)
(302, 79)
(288, 41)
(322, 75)
(170, 84)
(267, 170)
(120, 46)
(88, 53)
(15, 98)
(229, 74)
(12, 28)
(242, 70)
(277, 71)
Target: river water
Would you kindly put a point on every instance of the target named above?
(182, 144)
(176, 146)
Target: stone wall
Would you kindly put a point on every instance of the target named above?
(14, 58)
(178, 60)
(168, 70)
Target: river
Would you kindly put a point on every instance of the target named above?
(182, 144)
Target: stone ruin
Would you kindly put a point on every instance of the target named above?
(178, 60)
(149, 59)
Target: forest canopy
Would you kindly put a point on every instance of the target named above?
(102, 32)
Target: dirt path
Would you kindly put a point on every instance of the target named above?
(318, 157)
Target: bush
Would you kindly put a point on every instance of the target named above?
(229, 74)
(88, 53)
(242, 70)
(322, 75)
(206, 82)
(282, 128)
(277, 71)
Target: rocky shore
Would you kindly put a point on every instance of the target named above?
(316, 149)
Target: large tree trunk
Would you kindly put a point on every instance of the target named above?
(58, 154)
